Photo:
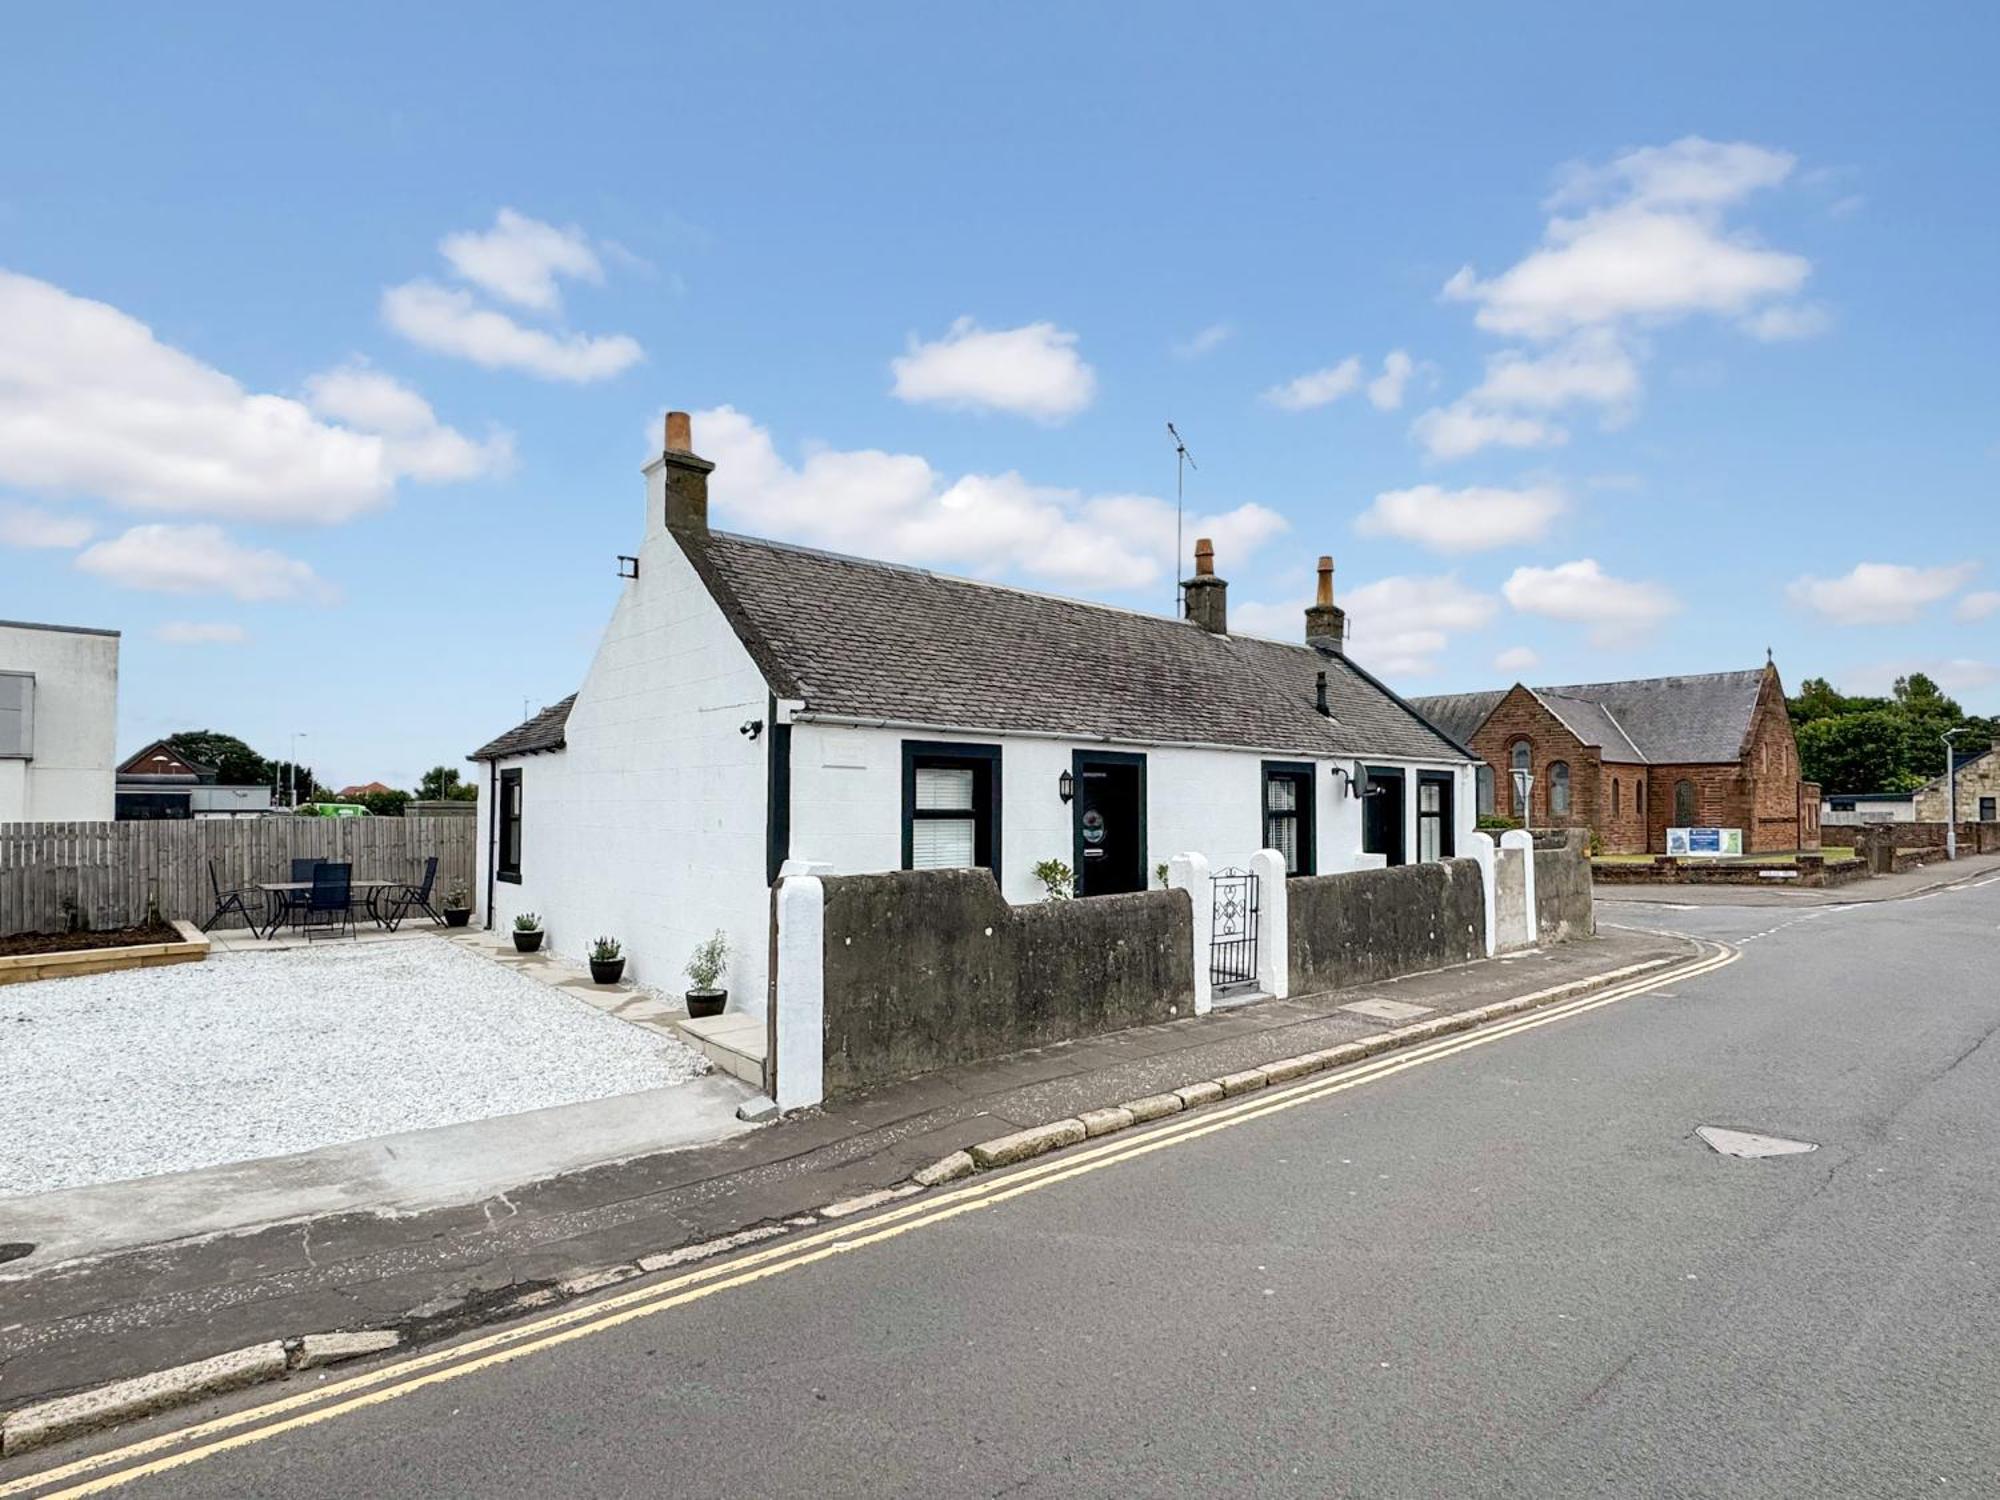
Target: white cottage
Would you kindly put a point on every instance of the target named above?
(753, 702)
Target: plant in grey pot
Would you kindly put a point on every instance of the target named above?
(607, 961)
(457, 907)
(527, 932)
(704, 971)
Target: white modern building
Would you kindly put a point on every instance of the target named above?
(58, 722)
(753, 702)
(1850, 809)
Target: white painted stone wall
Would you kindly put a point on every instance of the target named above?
(650, 825)
(847, 799)
(74, 769)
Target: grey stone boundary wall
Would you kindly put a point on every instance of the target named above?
(1888, 847)
(105, 874)
(1368, 925)
(1562, 893)
(929, 969)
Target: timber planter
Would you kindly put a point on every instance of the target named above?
(187, 945)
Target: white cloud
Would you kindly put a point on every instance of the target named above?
(91, 403)
(1592, 367)
(519, 259)
(1385, 391)
(1031, 371)
(1396, 627)
(1978, 605)
(1517, 659)
(200, 560)
(197, 633)
(1317, 388)
(1689, 173)
(24, 526)
(1648, 245)
(895, 505)
(1879, 593)
(1462, 428)
(1466, 520)
(417, 444)
(1617, 610)
(1205, 341)
(446, 321)
(1788, 320)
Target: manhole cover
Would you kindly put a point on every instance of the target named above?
(14, 1250)
(1744, 1143)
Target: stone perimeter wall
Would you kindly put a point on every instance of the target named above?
(1369, 925)
(929, 969)
(1563, 888)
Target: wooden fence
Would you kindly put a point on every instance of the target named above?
(107, 873)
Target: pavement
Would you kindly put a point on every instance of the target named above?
(137, 1278)
(1876, 888)
(1507, 1266)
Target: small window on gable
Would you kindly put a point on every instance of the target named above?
(951, 805)
(1559, 788)
(17, 715)
(1519, 758)
(1614, 796)
(1483, 785)
(508, 864)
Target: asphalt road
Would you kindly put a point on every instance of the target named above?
(1512, 1271)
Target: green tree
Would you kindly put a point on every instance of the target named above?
(234, 762)
(443, 784)
(388, 804)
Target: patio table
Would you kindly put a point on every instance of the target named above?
(372, 889)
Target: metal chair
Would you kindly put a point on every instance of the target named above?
(226, 902)
(330, 904)
(414, 896)
(292, 903)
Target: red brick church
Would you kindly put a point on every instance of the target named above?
(1630, 760)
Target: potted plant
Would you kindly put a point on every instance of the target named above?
(527, 932)
(704, 970)
(607, 961)
(457, 907)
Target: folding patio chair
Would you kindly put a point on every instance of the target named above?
(226, 902)
(330, 904)
(293, 903)
(414, 895)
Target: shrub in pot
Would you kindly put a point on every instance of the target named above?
(457, 907)
(607, 961)
(704, 971)
(527, 932)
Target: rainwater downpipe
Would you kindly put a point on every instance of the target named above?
(492, 832)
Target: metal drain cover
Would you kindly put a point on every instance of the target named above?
(1743, 1143)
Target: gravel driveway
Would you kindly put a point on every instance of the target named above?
(112, 1076)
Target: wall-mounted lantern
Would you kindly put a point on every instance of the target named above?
(1066, 787)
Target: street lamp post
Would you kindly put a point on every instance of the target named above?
(1950, 795)
(292, 769)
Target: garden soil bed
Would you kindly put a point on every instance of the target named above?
(77, 942)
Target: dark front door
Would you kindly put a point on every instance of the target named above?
(1110, 819)
(1434, 816)
(1382, 815)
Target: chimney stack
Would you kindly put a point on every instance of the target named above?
(686, 479)
(1326, 622)
(1206, 597)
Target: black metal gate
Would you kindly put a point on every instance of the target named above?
(1232, 945)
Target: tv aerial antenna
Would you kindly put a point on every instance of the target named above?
(1183, 461)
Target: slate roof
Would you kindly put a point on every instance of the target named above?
(874, 641)
(543, 732)
(1460, 714)
(1695, 720)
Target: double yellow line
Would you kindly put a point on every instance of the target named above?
(255, 1424)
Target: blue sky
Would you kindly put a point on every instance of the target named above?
(1591, 342)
